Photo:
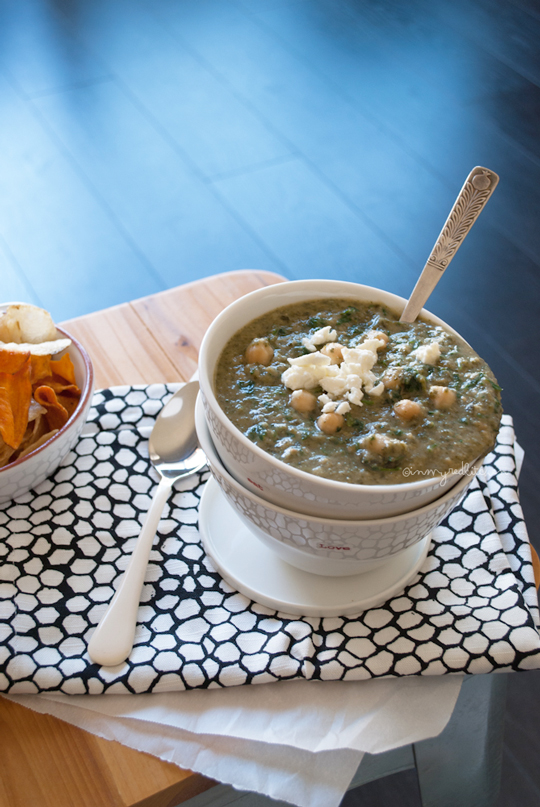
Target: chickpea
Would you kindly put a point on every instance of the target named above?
(303, 401)
(408, 410)
(333, 351)
(387, 448)
(330, 423)
(376, 444)
(442, 397)
(393, 378)
(260, 351)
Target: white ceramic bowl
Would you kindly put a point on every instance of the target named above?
(24, 474)
(273, 479)
(333, 547)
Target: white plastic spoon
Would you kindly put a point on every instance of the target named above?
(470, 202)
(174, 452)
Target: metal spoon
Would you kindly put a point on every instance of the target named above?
(470, 202)
(174, 452)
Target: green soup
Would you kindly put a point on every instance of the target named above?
(434, 404)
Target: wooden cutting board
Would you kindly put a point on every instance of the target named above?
(45, 762)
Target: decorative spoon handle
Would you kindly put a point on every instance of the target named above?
(112, 640)
(470, 202)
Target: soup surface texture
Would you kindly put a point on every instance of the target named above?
(343, 390)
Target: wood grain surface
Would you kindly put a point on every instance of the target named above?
(157, 338)
(44, 761)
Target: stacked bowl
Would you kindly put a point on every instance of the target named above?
(319, 525)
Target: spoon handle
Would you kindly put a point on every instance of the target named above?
(470, 202)
(112, 640)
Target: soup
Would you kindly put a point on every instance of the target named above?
(343, 390)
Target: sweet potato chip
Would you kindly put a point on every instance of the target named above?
(57, 415)
(12, 362)
(60, 388)
(40, 368)
(69, 402)
(15, 394)
(63, 368)
(6, 453)
(60, 372)
(59, 375)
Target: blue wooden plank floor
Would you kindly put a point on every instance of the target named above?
(148, 143)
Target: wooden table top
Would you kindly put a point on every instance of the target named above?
(44, 761)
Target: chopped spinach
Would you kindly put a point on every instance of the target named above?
(257, 432)
(247, 387)
(353, 422)
(412, 382)
(346, 315)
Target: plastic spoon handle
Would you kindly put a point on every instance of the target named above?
(112, 640)
(470, 202)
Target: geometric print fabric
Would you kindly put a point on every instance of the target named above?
(472, 607)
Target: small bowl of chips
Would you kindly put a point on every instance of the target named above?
(46, 386)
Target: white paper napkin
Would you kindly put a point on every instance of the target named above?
(298, 741)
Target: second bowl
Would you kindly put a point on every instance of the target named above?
(326, 546)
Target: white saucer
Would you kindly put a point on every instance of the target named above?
(258, 573)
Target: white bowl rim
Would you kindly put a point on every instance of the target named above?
(259, 501)
(86, 392)
(333, 484)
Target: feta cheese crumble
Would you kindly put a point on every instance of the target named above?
(320, 337)
(428, 354)
(345, 382)
(339, 407)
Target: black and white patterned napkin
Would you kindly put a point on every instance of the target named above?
(472, 608)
